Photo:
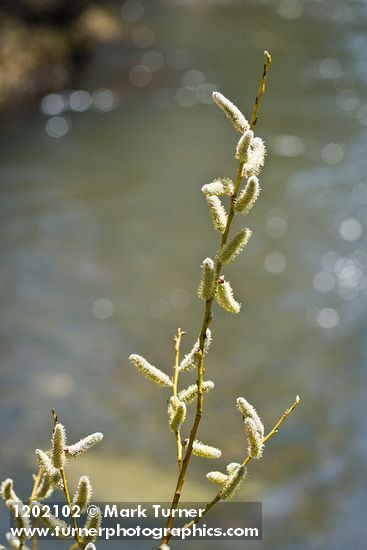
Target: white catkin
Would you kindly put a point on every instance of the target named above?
(229, 251)
(151, 373)
(58, 446)
(247, 410)
(92, 524)
(220, 186)
(218, 213)
(188, 362)
(207, 281)
(248, 196)
(225, 299)
(233, 483)
(254, 439)
(190, 394)
(84, 445)
(7, 491)
(256, 158)
(216, 477)
(21, 521)
(237, 119)
(177, 417)
(243, 145)
(13, 542)
(45, 462)
(45, 488)
(54, 523)
(83, 494)
(232, 466)
(205, 451)
(90, 546)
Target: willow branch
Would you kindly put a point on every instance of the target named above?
(178, 339)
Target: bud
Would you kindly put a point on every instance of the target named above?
(190, 394)
(220, 186)
(58, 446)
(225, 299)
(243, 146)
(248, 196)
(83, 445)
(92, 525)
(83, 494)
(229, 251)
(205, 451)
(150, 372)
(178, 417)
(218, 213)
(248, 411)
(216, 477)
(256, 158)
(237, 119)
(233, 483)
(207, 282)
(254, 439)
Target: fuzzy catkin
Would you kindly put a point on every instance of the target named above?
(216, 477)
(14, 542)
(83, 494)
(190, 394)
(45, 462)
(54, 523)
(205, 451)
(256, 158)
(188, 362)
(151, 373)
(207, 281)
(232, 466)
(225, 298)
(233, 483)
(237, 119)
(248, 411)
(45, 488)
(220, 186)
(243, 146)
(58, 446)
(177, 417)
(254, 439)
(90, 546)
(84, 445)
(7, 491)
(229, 251)
(16, 509)
(248, 196)
(218, 213)
(92, 524)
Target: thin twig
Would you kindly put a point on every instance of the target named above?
(178, 339)
(208, 309)
(272, 432)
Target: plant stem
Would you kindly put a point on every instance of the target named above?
(208, 313)
(272, 432)
(178, 339)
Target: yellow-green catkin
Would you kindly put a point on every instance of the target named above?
(207, 281)
(248, 411)
(216, 477)
(205, 451)
(233, 483)
(190, 394)
(254, 439)
(92, 525)
(248, 196)
(225, 298)
(178, 416)
(218, 213)
(188, 362)
(151, 373)
(45, 488)
(243, 146)
(220, 186)
(256, 158)
(54, 524)
(229, 251)
(84, 444)
(58, 446)
(237, 119)
(83, 494)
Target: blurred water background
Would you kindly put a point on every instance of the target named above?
(103, 229)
